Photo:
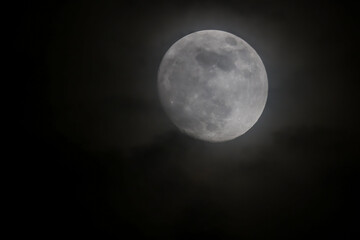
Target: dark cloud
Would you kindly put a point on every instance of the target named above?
(299, 184)
(288, 184)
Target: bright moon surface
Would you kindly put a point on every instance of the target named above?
(212, 85)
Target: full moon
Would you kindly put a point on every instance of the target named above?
(212, 85)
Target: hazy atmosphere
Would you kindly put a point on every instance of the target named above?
(105, 160)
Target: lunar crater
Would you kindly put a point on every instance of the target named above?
(231, 41)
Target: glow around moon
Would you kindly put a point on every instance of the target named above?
(212, 85)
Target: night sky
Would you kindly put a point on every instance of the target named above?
(103, 159)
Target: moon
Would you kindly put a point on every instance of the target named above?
(212, 85)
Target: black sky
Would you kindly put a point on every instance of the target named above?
(103, 159)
